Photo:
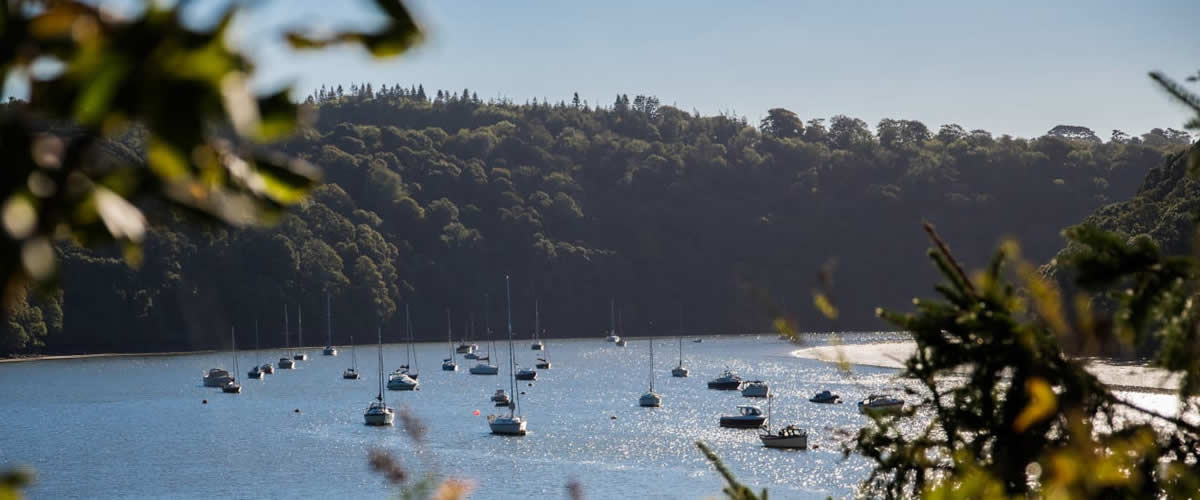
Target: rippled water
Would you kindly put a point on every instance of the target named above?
(136, 428)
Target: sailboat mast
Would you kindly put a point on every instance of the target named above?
(299, 327)
(449, 334)
(328, 320)
(233, 335)
(512, 362)
(257, 355)
(353, 354)
(379, 334)
(537, 320)
(487, 325)
(651, 362)
(612, 316)
(287, 334)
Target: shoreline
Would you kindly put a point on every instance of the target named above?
(891, 355)
(61, 357)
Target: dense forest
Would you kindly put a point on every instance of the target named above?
(429, 199)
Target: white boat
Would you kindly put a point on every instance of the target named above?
(749, 417)
(755, 389)
(286, 364)
(256, 372)
(378, 412)
(512, 424)
(542, 364)
(352, 372)
(402, 382)
(268, 368)
(485, 366)
(880, 404)
(728, 381)
(448, 364)
(680, 371)
(465, 348)
(330, 350)
(232, 386)
(790, 437)
(651, 399)
(300, 355)
(526, 374)
(216, 377)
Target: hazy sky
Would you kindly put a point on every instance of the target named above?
(1017, 67)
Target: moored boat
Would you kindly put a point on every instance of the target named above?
(748, 417)
(825, 397)
(880, 404)
(755, 389)
(728, 381)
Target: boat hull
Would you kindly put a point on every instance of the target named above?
(401, 386)
(784, 442)
(507, 426)
(255, 374)
(268, 369)
(484, 370)
(232, 388)
(755, 391)
(526, 375)
(543, 366)
(725, 386)
(286, 364)
(329, 351)
(537, 347)
(880, 409)
(679, 372)
(743, 422)
(300, 357)
(826, 401)
(449, 367)
(650, 400)
(350, 376)
(379, 419)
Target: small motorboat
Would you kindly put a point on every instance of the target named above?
(268, 368)
(217, 377)
(231, 387)
(500, 397)
(825, 397)
(621, 342)
(511, 425)
(726, 382)
(350, 374)
(286, 364)
(542, 364)
(789, 437)
(329, 351)
(379, 414)
(465, 348)
(300, 357)
(612, 338)
(526, 374)
(401, 382)
(448, 365)
(679, 371)
(749, 417)
(255, 373)
(470, 355)
(756, 389)
(537, 345)
(880, 404)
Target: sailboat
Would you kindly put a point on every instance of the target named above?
(542, 363)
(299, 356)
(352, 372)
(620, 328)
(485, 366)
(286, 363)
(537, 344)
(528, 373)
(232, 386)
(513, 424)
(474, 354)
(612, 322)
(680, 371)
(255, 372)
(330, 350)
(409, 367)
(448, 364)
(651, 399)
(379, 413)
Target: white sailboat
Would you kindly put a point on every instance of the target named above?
(790, 437)
(255, 372)
(410, 349)
(403, 379)
(352, 372)
(448, 364)
(612, 322)
(330, 350)
(680, 371)
(537, 344)
(528, 373)
(379, 413)
(285, 362)
(513, 424)
(620, 330)
(474, 354)
(300, 355)
(232, 386)
(651, 399)
(484, 365)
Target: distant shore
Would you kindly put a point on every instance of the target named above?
(53, 357)
(892, 355)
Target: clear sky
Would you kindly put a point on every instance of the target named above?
(1013, 66)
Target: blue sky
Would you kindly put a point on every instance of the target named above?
(1017, 67)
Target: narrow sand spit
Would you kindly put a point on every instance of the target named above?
(893, 354)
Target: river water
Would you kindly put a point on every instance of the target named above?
(135, 427)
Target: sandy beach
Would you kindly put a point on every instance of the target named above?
(893, 354)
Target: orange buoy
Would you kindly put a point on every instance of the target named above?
(476, 413)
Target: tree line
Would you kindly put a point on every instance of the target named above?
(430, 197)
